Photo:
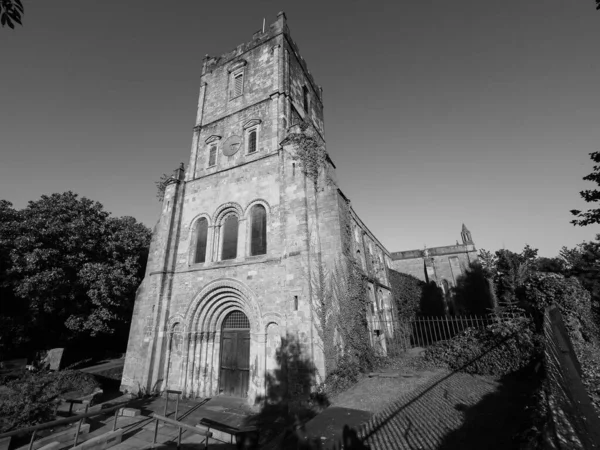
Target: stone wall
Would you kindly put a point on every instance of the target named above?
(437, 263)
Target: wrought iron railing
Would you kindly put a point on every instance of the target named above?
(400, 335)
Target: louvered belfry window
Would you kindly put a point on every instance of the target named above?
(252, 141)
(238, 84)
(212, 156)
(258, 244)
(201, 235)
(230, 238)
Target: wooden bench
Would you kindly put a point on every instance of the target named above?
(244, 437)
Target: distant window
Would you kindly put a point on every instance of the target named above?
(238, 84)
(258, 238)
(230, 238)
(212, 156)
(252, 140)
(201, 235)
(305, 98)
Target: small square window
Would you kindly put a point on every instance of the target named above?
(212, 156)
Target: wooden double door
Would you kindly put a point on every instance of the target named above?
(235, 357)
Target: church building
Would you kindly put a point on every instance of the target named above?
(231, 257)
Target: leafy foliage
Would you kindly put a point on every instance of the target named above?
(10, 12)
(574, 302)
(407, 291)
(499, 349)
(71, 272)
(583, 262)
(30, 398)
(580, 317)
(592, 215)
(161, 185)
(310, 152)
(508, 270)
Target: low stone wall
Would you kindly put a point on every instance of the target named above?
(575, 423)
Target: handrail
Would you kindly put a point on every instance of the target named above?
(61, 421)
(197, 430)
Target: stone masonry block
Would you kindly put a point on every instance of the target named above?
(129, 412)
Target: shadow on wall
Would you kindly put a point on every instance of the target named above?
(290, 402)
(415, 297)
(473, 293)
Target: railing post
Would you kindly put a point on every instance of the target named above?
(166, 403)
(115, 421)
(430, 334)
(32, 439)
(155, 430)
(79, 426)
(177, 406)
(179, 439)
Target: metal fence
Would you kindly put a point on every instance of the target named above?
(398, 336)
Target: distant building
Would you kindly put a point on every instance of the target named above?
(441, 265)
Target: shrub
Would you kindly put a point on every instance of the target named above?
(501, 348)
(30, 398)
(574, 302)
(344, 375)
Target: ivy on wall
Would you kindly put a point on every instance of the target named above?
(337, 291)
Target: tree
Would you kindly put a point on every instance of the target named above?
(592, 215)
(508, 271)
(551, 265)
(10, 12)
(583, 262)
(73, 270)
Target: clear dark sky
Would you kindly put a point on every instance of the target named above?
(436, 112)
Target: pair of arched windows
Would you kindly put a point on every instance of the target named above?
(229, 235)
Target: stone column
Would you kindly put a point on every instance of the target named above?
(242, 239)
(210, 254)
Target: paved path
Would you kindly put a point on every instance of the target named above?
(452, 411)
(109, 365)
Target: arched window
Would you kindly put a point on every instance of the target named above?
(252, 141)
(258, 237)
(201, 235)
(230, 237)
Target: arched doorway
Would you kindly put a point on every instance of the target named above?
(235, 355)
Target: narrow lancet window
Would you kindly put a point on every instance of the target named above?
(201, 236)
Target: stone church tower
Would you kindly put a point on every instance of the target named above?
(226, 279)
